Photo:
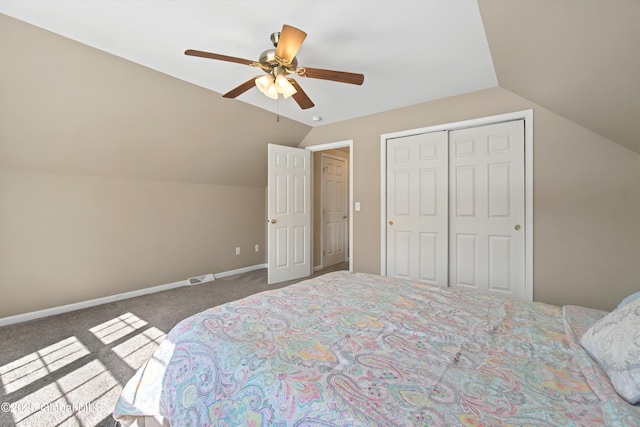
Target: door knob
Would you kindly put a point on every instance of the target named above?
(517, 227)
(273, 221)
(390, 222)
(344, 217)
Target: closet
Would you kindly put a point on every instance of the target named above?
(455, 208)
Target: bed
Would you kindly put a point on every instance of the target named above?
(363, 350)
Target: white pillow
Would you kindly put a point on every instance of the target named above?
(614, 342)
(628, 299)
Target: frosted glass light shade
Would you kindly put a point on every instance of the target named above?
(284, 86)
(271, 92)
(263, 83)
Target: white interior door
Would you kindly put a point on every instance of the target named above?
(334, 210)
(417, 208)
(289, 209)
(487, 209)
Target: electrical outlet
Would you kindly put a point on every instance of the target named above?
(238, 250)
(257, 248)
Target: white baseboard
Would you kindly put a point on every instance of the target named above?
(317, 268)
(19, 318)
(240, 270)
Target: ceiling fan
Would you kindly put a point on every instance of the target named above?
(279, 63)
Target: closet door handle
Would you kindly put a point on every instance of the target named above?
(390, 222)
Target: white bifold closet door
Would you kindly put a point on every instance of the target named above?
(455, 201)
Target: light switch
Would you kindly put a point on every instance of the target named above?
(357, 206)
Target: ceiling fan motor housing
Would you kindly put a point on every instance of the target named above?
(268, 61)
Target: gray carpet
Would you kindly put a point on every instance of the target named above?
(69, 369)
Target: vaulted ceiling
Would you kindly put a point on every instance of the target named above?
(410, 52)
(577, 58)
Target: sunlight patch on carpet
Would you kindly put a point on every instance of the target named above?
(136, 350)
(81, 397)
(117, 328)
(32, 367)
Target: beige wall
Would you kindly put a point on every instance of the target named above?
(66, 238)
(115, 177)
(572, 57)
(68, 108)
(586, 196)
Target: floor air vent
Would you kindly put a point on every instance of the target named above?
(201, 279)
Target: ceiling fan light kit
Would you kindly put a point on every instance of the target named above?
(278, 63)
(272, 87)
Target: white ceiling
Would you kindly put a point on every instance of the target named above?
(409, 51)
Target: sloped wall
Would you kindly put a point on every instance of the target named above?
(114, 177)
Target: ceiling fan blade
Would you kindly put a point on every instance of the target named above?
(210, 55)
(336, 76)
(241, 89)
(290, 41)
(300, 96)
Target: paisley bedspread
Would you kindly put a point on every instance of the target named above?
(362, 350)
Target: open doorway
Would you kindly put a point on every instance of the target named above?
(332, 195)
(330, 207)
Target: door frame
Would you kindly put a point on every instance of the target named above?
(322, 202)
(330, 146)
(527, 116)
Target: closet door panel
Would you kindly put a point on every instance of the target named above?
(417, 208)
(487, 202)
